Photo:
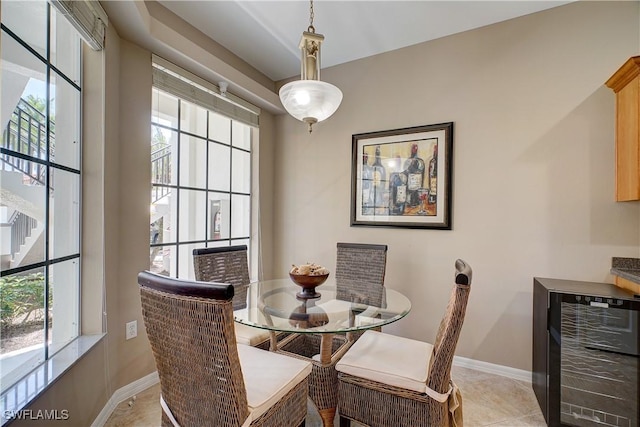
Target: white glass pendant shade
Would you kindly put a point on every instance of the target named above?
(310, 101)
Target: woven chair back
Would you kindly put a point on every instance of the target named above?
(224, 265)
(449, 331)
(360, 270)
(191, 331)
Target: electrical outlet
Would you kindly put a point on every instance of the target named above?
(131, 329)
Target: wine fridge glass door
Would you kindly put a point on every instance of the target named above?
(596, 344)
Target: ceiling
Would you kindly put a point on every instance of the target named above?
(266, 34)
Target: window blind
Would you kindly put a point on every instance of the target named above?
(176, 81)
(88, 17)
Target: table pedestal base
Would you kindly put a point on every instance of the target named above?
(327, 415)
(323, 352)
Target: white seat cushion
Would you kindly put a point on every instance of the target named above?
(268, 377)
(336, 311)
(248, 335)
(388, 359)
(335, 306)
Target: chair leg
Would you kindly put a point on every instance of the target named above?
(345, 422)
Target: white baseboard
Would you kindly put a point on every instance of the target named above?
(505, 371)
(122, 394)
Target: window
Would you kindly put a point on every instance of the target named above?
(40, 179)
(201, 180)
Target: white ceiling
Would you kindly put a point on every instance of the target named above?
(266, 33)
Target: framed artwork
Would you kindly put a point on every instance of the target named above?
(402, 177)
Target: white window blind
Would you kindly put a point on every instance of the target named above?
(88, 17)
(168, 77)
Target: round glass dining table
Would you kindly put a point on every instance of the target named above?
(275, 305)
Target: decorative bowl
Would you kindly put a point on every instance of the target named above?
(308, 284)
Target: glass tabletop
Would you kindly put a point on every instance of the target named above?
(274, 305)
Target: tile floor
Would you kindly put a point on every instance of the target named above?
(488, 400)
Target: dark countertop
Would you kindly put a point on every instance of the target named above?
(627, 268)
(605, 290)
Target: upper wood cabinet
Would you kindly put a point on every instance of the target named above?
(626, 84)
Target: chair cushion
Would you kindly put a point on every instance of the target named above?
(336, 311)
(248, 335)
(388, 359)
(268, 377)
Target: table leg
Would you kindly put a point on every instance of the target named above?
(352, 321)
(273, 341)
(327, 415)
(326, 344)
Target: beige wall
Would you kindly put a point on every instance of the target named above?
(131, 359)
(127, 178)
(533, 168)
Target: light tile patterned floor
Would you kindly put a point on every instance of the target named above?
(488, 400)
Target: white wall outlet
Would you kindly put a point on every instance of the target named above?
(131, 329)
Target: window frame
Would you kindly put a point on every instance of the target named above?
(34, 379)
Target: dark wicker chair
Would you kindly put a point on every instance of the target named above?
(360, 270)
(206, 379)
(390, 381)
(228, 264)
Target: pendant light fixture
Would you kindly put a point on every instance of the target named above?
(309, 99)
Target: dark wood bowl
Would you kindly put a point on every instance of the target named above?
(308, 284)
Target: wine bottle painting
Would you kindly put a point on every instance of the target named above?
(401, 179)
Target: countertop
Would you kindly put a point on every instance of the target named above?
(627, 268)
(604, 290)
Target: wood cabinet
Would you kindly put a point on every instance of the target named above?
(627, 284)
(626, 84)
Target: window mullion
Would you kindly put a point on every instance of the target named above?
(206, 186)
(230, 182)
(178, 146)
(47, 181)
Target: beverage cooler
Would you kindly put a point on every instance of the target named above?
(586, 364)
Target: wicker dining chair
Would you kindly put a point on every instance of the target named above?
(206, 378)
(390, 381)
(225, 264)
(228, 264)
(360, 270)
